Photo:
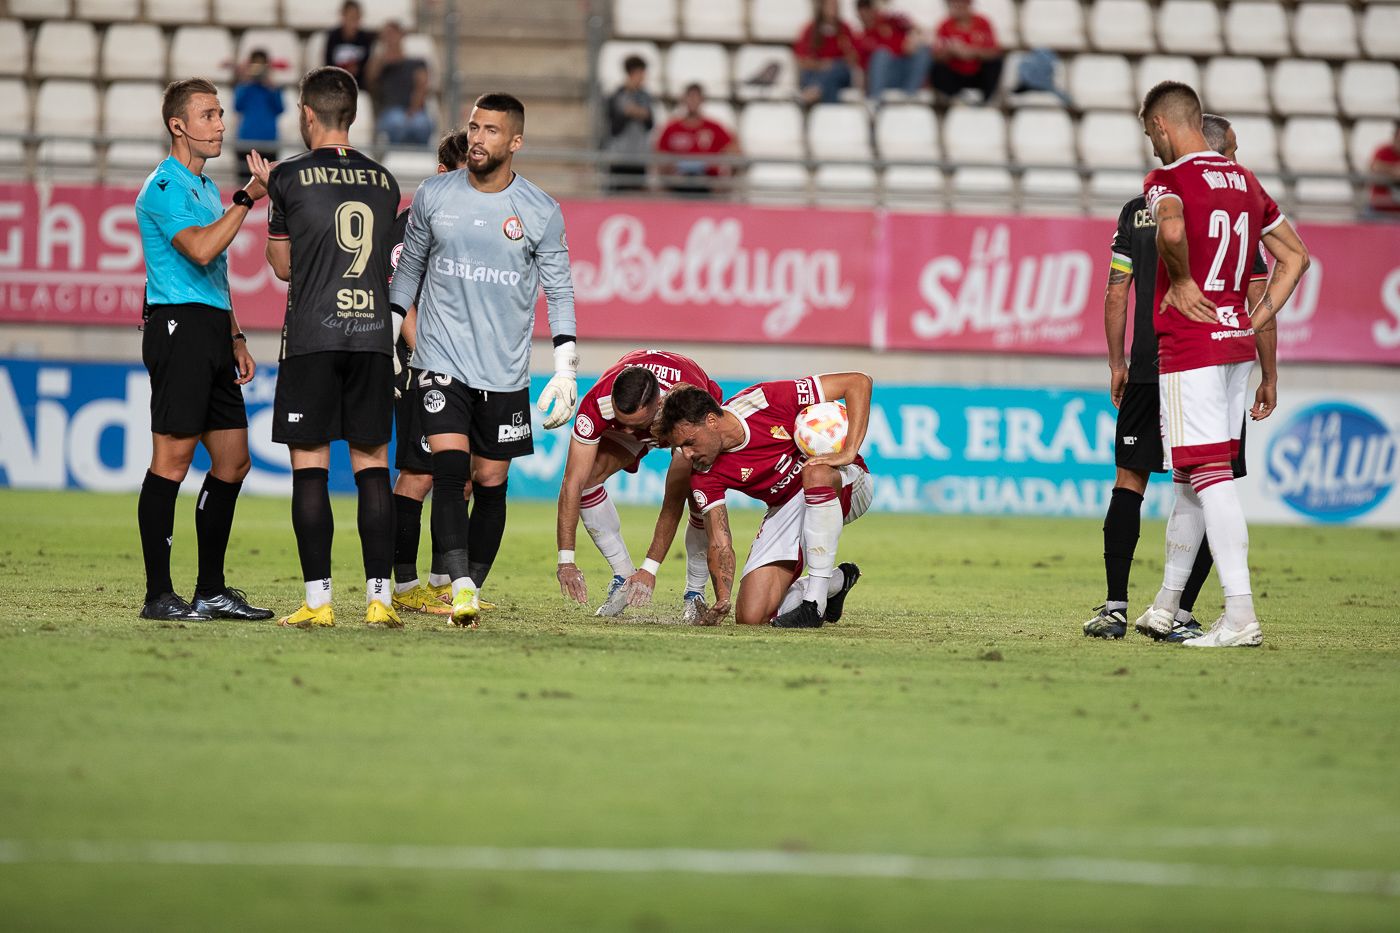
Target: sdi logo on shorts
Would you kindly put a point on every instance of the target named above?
(517, 430)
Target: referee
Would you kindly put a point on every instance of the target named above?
(482, 243)
(195, 354)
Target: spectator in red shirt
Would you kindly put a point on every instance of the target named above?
(1385, 167)
(828, 58)
(891, 50)
(966, 53)
(693, 133)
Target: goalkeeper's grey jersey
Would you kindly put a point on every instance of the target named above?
(482, 259)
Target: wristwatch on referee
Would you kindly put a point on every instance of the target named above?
(243, 199)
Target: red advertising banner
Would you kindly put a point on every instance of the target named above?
(728, 273)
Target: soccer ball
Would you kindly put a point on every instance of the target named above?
(821, 429)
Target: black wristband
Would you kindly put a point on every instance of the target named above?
(240, 336)
(243, 199)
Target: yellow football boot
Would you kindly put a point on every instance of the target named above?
(379, 614)
(465, 607)
(306, 617)
(423, 598)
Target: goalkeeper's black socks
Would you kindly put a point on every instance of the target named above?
(155, 517)
(1121, 528)
(408, 523)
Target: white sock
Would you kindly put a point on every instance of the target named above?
(605, 528)
(1185, 529)
(821, 530)
(462, 583)
(405, 587)
(1229, 544)
(697, 559)
(438, 579)
(1183, 616)
(377, 590)
(318, 593)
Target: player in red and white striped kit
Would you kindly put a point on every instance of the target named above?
(1211, 215)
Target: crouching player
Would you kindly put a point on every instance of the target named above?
(747, 445)
(612, 432)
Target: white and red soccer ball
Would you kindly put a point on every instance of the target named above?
(821, 429)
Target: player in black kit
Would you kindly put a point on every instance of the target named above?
(332, 209)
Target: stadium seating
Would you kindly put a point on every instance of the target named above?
(778, 20)
(839, 132)
(133, 50)
(251, 12)
(1380, 31)
(66, 107)
(283, 51)
(777, 183)
(1000, 13)
(703, 63)
(41, 9)
(410, 167)
(1370, 89)
(1316, 145)
(1122, 26)
(319, 15)
(644, 19)
(1189, 27)
(1112, 140)
(610, 58)
(65, 50)
(1256, 27)
(132, 109)
(722, 112)
(1156, 68)
(1050, 191)
(1101, 82)
(14, 119)
(975, 136)
(107, 11)
(1324, 30)
(1258, 144)
(713, 19)
(1303, 86)
(1054, 24)
(838, 185)
(772, 130)
(379, 12)
(982, 189)
(201, 50)
(754, 61)
(909, 133)
(1042, 137)
(190, 11)
(14, 48)
(1108, 191)
(1366, 137)
(1235, 85)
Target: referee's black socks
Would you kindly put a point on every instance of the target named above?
(213, 520)
(376, 520)
(449, 520)
(155, 517)
(488, 527)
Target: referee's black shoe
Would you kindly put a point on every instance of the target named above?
(230, 604)
(170, 607)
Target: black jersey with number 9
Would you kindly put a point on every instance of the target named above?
(336, 206)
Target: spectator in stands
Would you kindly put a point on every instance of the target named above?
(828, 58)
(693, 133)
(400, 88)
(893, 52)
(258, 102)
(966, 53)
(630, 122)
(347, 45)
(1385, 166)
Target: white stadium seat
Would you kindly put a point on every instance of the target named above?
(1122, 26)
(839, 131)
(65, 50)
(1235, 85)
(1380, 31)
(362, 130)
(1112, 140)
(1051, 191)
(1325, 30)
(913, 186)
(40, 9)
(974, 136)
(289, 122)
(420, 45)
(1010, 78)
(980, 190)
(1101, 82)
(1316, 145)
(1303, 86)
(191, 11)
(1255, 27)
(1041, 137)
(757, 61)
(722, 112)
(1109, 190)
(1258, 144)
(836, 185)
(315, 50)
(1000, 13)
(1153, 69)
(778, 20)
(206, 51)
(132, 108)
(250, 12)
(133, 50)
(702, 63)
(644, 19)
(925, 14)
(308, 15)
(776, 183)
(379, 12)
(410, 167)
(772, 130)
(14, 106)
(64, 108)
(1055, 24)
(14, 47)
(610, 59)
(907, 132)
(1189, 27)
(713, 19)
(107, 11)
(1366, 137)
(282, 47)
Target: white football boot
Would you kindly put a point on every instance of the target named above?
(1222, 636)
(1155, 623)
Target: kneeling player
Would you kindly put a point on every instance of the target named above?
(612, 432)
(747, 445)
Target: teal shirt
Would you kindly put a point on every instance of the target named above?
(174, 199)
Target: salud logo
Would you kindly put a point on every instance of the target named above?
(1334, 462)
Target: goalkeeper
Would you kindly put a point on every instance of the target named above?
(482, 243)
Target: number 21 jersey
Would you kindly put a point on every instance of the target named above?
(336, 206)
(1226, 212)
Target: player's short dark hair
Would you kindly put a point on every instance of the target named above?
(634, 389)
(503, 103)
(685, 404)
(1215, 127)
(332, 95)
(176, 99)
(634, 63)
(452, 149)
(1173, 96)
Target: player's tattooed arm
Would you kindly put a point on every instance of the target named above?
(721, 560)
(577, 465)
(1183, 293)
(1290, 262)
(1115, 328)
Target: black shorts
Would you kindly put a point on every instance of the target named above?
(410, 444)
(1138, 445)
(189, 354)
(334, 395)
(497, 424)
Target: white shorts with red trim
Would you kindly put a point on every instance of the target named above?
(779, 537)
(1203, 412)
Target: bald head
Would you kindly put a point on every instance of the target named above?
(1174, 102)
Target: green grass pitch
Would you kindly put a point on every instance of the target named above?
(354, 779)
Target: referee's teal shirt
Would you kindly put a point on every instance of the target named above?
(174, 199)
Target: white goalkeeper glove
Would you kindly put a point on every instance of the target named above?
(397, 318)
(561, 392)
